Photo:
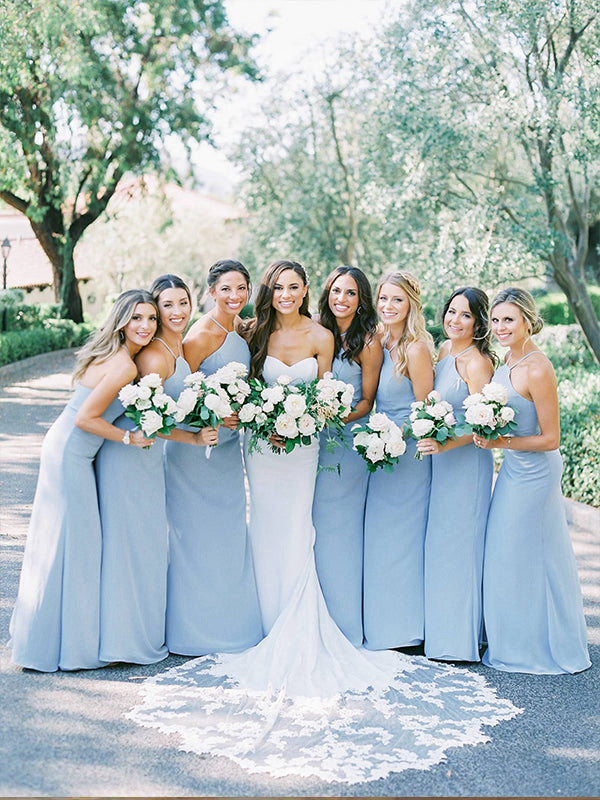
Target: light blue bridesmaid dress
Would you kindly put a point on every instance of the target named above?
(133, 589)
(338, 517)
(395, 522)
(56, 620)
(532, 604)
(461, 488)
(212, 604)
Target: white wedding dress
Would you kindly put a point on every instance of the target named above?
(304, 701)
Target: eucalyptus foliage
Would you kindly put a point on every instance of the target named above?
(92, 89)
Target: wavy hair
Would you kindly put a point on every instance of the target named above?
(478, 306)
(106, 341)
(364, 323)
(224, 266)
(524, 301)
(414, 328)
(261, 326)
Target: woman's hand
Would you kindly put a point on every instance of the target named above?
(207, 436)
(277, 441)
(429, 447)
(232, 422)
(139, 439)
(486, 444)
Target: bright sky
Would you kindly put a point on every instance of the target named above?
(293, 33)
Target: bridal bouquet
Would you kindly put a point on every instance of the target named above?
(487, 414)
(207, 401)
(432, 418)
(379, 442)
(295, 413)
(152, 410)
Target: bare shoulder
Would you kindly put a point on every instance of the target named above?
(444, 349)
(154, 358)
(119, 367)
(320, 334)
(478, 367)
(200, 329)
(418, 349)
(540, 369)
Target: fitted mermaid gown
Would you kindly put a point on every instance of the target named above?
(338, 517)
(212, 605)
(304, 701)
(56, 620)
(532, 604)
(461, 489)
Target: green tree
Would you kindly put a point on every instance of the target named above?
(92, 89)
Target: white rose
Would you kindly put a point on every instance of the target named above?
(142, 404)
(295, 405)
(285, 425)
(160, 399)
(326, 393)
(375, 451)
(327, 376)
(248, 412)
(361, 439)
(417, 405)
(473, 400)
(306, 425)
(194, 380)
(152, 380)
(143, 392)
(481, 414)
(128, 394)
(396, 446)
(186, 401)
(273, 394)
(495, 392)
(268, 407)
(283, 380)
(507, 414)
(379, 422)
(450, 419)
(422, 427)
(347, 397)
(437, 411)
(218, 405)
(434, 395)
(151, 422)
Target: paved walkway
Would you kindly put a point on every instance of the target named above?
(65, 734)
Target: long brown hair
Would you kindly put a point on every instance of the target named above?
(262, 325)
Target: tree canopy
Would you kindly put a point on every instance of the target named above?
(92, 89)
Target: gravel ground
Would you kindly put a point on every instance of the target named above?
(65, 734)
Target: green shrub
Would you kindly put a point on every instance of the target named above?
(54, 335)
(579, 397)
(565, 346)
(554, 309)
(22, 316)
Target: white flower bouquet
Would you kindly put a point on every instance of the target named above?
(150, 408)
(487, 414)
(432, 418)
(379, 441)
(206, 401)
(294, 413)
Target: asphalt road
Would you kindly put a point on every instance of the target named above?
(65, 734)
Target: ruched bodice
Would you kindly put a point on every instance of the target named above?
(301, 372)
(394, 397)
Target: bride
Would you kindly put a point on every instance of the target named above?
(305, 701)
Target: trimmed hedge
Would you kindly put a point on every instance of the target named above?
(55, 334)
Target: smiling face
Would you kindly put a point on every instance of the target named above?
(509, 325)
(393, 304)
(175, 310)
(141, 327)
(230, 293)
(343, 298)
(289, 290)
(459, 320)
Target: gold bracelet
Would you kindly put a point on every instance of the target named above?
(509, 439)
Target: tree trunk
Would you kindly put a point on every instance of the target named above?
(70, 299)
(580, 304)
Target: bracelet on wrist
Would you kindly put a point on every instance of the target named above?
(126, 437)
(508, 441)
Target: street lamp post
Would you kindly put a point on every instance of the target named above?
(5, 248)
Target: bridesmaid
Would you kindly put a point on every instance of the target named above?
(212, 605)
(461, 487)
(133, 589)
(346, 309)
(55, 623)
(532, 602)
(396, 509)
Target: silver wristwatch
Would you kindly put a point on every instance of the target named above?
(126, 437)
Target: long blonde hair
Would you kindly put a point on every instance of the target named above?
(106, 341)
(414, 328)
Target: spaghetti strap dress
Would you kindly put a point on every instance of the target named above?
(461, 488)
(338, 517)
(56, 620)
(133, 588)
(395, 522)
(212, 604)
(532, 603)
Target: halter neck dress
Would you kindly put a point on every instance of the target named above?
(532, 604)
(461, 488)
(212, 603)
(55, 623)
(395, 522)
(133, 595)
(338, 517)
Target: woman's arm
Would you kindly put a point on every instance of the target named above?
(420, 369)
(371, 359)
(324, 346)
(198, 344)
